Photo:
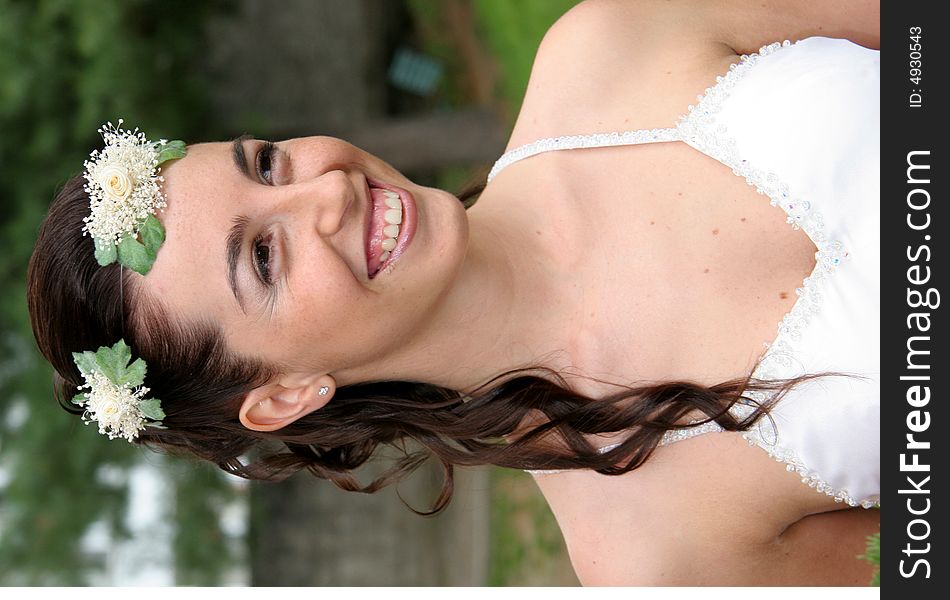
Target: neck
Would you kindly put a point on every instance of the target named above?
(509, 308)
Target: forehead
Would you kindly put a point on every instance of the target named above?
(189, 274)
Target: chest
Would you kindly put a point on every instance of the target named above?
(680, 268)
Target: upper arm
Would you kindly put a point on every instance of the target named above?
(747, 25)
(821, 549)
(704, 511)
(711, 510)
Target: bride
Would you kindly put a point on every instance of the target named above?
(609, 294)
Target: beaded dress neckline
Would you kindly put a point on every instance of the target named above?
(699, 129)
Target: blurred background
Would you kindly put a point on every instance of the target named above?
(433, 87)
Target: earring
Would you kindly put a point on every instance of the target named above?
(324, 390)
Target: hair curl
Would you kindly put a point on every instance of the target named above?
(77, 305)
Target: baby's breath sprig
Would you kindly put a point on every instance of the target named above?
(115, 392)
(124, 188)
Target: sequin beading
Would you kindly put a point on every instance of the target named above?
(573, 142)
(699, 128)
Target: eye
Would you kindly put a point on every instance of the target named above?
(262, 258)
(263, 163)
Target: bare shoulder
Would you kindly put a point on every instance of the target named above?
(707, 511)
(609, 65)
(617, 64)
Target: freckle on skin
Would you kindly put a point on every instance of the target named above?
(705, 270)
(679, 193)
(742, 219)
(538, 232)
(783, 295)
(715, 231)
(652, 222)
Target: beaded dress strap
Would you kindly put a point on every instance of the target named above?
(596, 140)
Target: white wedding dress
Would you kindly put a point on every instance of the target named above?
(801, 123)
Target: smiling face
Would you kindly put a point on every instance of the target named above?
(276, 244)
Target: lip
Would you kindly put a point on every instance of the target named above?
(407, 228)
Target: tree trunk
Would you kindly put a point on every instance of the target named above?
(307, 532)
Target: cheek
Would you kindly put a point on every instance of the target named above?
(324, 301)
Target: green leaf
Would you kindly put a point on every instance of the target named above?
(86, 361)
(873, 555)
(134, 375)
(106, 364)
(80, 399)
(152, 234)
(171, 150)
(119, 357)
(106, 255)
(133, 254)
(121, 352)
(152, 408)
(120, 347)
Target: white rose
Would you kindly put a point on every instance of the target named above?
(107, 409)
(115, 181)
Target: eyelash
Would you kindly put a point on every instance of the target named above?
(261, 248)
(265, 157)
(262, 264)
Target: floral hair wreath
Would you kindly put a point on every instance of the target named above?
(115, 395)
(124, 194)
(123, 184)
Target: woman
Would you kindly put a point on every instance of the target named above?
(308, 293)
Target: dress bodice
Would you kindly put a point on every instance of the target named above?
(800, 123)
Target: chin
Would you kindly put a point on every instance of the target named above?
(447, 233)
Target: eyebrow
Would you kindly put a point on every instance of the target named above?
(234, 243)
(238, 156)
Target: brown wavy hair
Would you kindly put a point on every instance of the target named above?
(77, 305)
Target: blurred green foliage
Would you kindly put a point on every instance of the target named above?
(526, 544)
(66, 67)
(512, 32)
(873, 555)
(509, 31)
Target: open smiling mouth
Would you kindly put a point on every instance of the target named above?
(390, 225)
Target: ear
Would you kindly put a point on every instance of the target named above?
(279, 403)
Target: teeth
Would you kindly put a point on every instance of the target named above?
(393, 216)
(392, 199)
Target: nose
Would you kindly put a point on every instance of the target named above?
(323, 201)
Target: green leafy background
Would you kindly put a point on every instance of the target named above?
(66, 66)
